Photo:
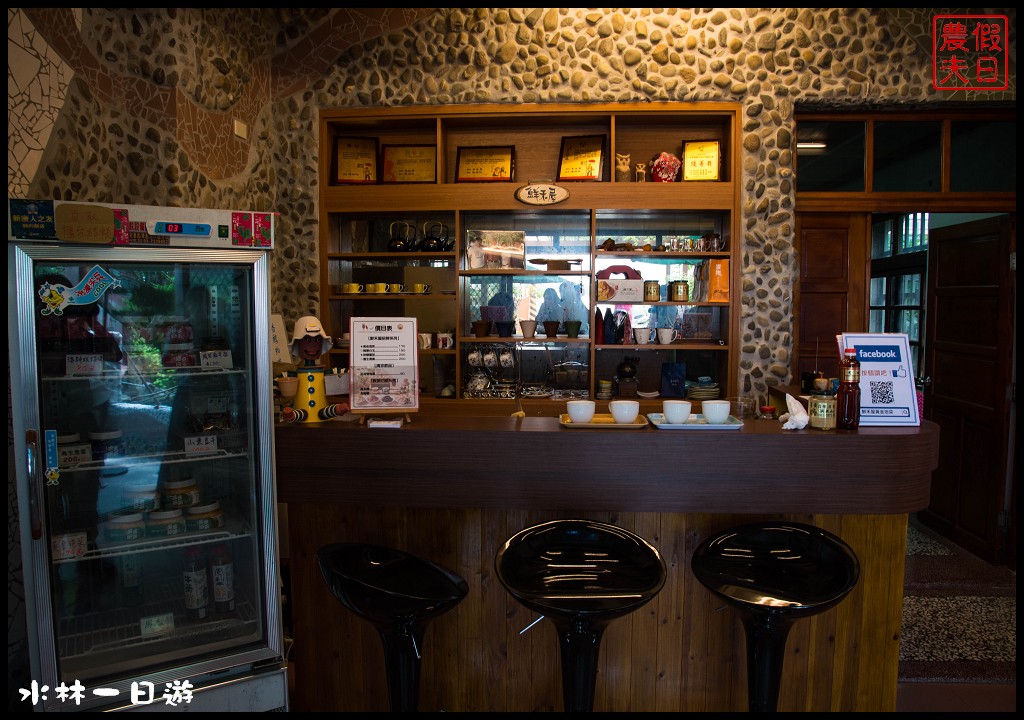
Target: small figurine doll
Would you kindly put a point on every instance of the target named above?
(622, 161)
(309, 342)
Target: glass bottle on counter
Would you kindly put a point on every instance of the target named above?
(848, 395)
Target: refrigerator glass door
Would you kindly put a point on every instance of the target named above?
(154, 462)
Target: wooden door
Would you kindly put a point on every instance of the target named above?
(970, 342)
(831, 298)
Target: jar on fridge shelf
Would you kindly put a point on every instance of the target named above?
(125, 527)
(200, 518)
(165, 523)
(179, 493)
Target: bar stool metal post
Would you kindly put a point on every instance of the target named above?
(398, 593)
(774, 573)
(581, 575)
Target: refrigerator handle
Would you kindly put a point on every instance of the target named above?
(34, 488)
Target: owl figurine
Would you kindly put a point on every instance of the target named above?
(641, 172)
(622, 161)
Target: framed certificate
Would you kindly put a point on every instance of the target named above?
(355, 160)
(494, 163)
(408, 164)
(702, 160)
(582, 158)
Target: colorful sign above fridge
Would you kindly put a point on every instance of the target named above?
(108, 224)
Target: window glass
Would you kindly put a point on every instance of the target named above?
(983, 157)
(877, 291)
(881, 239)
(907, 157)
(830, 156)
(909, 322)
(909, 290)
(876, 321)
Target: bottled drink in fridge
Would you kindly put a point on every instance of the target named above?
(131, 580)
(197, 595)
(222, 570)
(848, 397)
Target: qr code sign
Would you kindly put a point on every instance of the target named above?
(881, 392)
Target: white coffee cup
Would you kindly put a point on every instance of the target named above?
(580, 411)
(445, 340)
(716, 412)
(666, 335)
(624, 411)
(676, 412)
(641, 336)
(425, 340)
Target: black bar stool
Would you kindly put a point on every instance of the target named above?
(581, 575)
(774, 573)
(399, 594)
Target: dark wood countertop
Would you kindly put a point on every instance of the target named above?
(533, 463)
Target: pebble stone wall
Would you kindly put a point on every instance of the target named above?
(272, 68)
(137, 105)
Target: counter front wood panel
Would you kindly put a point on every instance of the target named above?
(534, 463)
(427, 489)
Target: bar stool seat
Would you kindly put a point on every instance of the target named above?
(581, 575)
(399, 594)
(774, 573)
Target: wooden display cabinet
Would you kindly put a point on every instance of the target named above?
(358, 222)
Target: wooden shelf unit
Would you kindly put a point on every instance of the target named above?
(354, 218)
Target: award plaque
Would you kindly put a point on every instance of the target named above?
(702, 160)
(355, 160)
(408, 164)
(485, 164)
(582, 158)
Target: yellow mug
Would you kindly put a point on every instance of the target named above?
(420, 288)
(396, 288)
(377, 288)
(352, 288)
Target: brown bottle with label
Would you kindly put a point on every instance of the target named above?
(222, 574)
(848, 396)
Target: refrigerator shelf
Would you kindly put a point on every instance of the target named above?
(119, 630)
(113, 466)
(137, 372)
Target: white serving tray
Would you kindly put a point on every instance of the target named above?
(694, 422)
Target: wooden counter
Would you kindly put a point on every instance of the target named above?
(453, 488)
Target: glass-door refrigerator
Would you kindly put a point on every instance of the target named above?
(142, 420)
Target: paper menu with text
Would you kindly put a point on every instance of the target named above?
(384, 365)
(888, 393)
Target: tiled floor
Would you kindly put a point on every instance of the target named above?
(955, 697)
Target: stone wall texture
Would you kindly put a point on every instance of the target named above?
(139, 105)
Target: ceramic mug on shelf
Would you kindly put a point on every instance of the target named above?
(641, 336)
(352, 288)
(377, 288)
(420, 288)
(667, 335)
(425, 340)
(445, 340)
(396, 288)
